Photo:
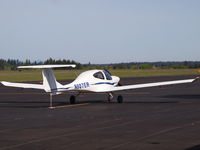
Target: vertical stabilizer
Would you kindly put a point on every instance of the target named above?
(49, 81)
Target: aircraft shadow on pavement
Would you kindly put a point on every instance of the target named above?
(39, 104)
(197, 147)
(134, 102)
(25, 104)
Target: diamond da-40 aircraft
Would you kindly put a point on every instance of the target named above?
(99, 81)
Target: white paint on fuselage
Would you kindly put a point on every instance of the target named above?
(86, 81)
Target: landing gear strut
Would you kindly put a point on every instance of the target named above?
(51, 101)
(110, 97)
(119, 98)
(72, 99)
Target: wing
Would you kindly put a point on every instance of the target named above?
(23, 85)
(146, 85)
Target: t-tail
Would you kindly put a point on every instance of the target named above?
(50, 83)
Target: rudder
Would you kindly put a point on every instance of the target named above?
(49, 81)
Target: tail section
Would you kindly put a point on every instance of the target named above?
(49, 81)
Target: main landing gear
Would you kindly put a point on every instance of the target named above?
(119, 98)
(72, 99)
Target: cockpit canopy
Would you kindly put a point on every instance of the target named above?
(107, 74)
(99, 75)
(103, 74)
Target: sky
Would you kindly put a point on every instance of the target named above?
(100, 31)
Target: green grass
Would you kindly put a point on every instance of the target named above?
(35, 75)
(154, 72)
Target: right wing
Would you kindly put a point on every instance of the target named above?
(146, 85)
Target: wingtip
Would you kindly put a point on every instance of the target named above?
(196, 79)
(73, 66)
(5, 83)
(2, 82)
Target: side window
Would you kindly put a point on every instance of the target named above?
(99, 75)
(108, 75)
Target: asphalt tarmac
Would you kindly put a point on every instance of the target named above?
(159, 118)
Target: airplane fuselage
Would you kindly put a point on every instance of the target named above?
(92, 80)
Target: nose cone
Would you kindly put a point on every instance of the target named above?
(116, 79)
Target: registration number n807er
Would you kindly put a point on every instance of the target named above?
(81, 85)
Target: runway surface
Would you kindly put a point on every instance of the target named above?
(160, 118)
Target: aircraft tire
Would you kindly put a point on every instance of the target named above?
(109, 98)
(72, 99)
(120, 99)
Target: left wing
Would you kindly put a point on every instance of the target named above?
(23, 85)
(146, 85)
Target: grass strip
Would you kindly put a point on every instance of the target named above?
(36, 75)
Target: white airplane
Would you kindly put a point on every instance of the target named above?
(99, 81)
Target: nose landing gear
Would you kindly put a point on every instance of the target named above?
(110, 97)
(72, 99)
(119, 99)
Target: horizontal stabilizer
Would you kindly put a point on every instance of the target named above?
(46, 66)
(23, 85)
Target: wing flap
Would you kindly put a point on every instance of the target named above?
(146, 85)
(23, 85)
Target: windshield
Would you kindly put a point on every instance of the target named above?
(108, 75)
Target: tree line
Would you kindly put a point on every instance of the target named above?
(11, 64)
(147, 65)
(158, 65)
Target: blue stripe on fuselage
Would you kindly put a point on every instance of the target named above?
(60, 89)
